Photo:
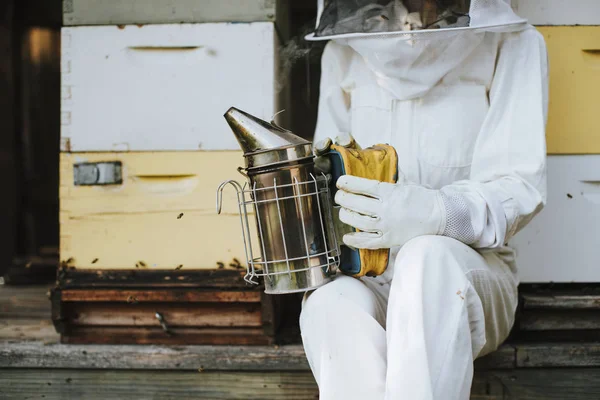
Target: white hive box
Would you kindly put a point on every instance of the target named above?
(559, 12)
(163, 87)
(562, 244)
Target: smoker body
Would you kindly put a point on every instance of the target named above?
(292, 229)
(294, 248)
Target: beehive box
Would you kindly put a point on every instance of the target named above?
(160, 307)
(151, 100)
(162, 215)
(560, 244)
(144, 256)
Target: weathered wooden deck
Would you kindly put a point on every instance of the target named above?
(34, 365)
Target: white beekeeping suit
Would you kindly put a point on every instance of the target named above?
(462, 97)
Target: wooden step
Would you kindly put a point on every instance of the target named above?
(559, 309)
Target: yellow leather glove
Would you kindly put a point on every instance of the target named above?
(346, 157)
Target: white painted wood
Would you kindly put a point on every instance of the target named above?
(559, 12)
(562, 243)
(163, 87)
(114, 12)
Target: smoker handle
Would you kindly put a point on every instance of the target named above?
(237, 187)
(243, 213)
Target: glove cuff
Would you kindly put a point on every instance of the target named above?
(457, 217)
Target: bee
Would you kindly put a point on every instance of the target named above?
(132, 300)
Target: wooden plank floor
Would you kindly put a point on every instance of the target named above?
(34, 365)
(54, 384)
(520, 384)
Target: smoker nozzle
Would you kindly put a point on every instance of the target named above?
(258, 138)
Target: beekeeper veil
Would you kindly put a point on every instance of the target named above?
(357, 18)
(410, 45)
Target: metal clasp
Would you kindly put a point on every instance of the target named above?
(163, 323)
(98, 173)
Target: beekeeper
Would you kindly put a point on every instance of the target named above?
(459, 89)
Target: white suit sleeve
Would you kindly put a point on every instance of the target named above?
(507, 185)
(333, 118)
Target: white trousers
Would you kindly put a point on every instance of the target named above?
(412, 333)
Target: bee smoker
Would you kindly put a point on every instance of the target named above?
(291, 242)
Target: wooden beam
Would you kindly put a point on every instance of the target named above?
(19, 354)
(538, 384)
(132, 385)
(557, 301)
(555, 320)
(538, 355)
(175, 314)
(71, 278)
(127, 335)
(171, 295)
(224, 358)
(531, 384)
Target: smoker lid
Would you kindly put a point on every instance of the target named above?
(265, 144)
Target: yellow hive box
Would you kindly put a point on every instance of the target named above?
(574, 110)
(161, 216)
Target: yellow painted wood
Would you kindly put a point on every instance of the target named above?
(574, 110)
(119, 226)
